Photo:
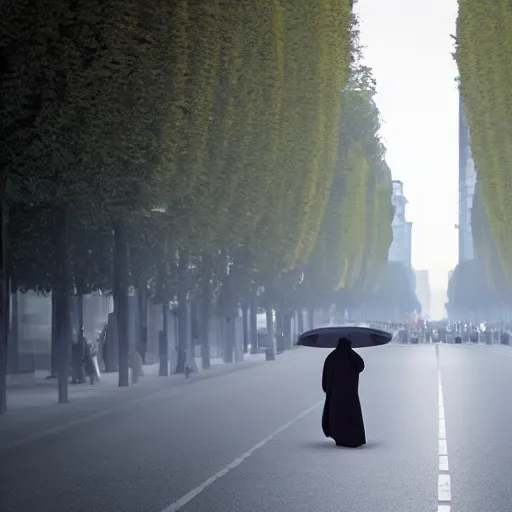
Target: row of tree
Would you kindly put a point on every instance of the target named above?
(482, 55)
(479, 287)
(215, 149)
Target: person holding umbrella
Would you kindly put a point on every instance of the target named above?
(342, 418)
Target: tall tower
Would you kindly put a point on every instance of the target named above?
(400, 249)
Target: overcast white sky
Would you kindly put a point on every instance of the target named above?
(409, 47)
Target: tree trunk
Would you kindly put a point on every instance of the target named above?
(143, 321)
(81, 326)
(270, 346)
(13, 342)
(279, 334)
(300, 320)
(61, 289)
(5, 251)
(163, 348)
(229, 341)
(205, 312)
(253, 324)
(182, 312)
(287, 329)
(311, 317)
(121, 300)
(54, 347)
(245, 327)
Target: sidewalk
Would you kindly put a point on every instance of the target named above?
(33, 411)
(34, 390)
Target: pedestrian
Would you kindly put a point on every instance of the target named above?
(91, 360)
(342, 418)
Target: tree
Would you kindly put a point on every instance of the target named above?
(224, 115)
(468, 290)
(395, 297)
(482, 55)
(486, 251)
(352, 245)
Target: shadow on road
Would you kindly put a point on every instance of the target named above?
(330, 445)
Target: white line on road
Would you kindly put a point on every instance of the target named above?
(443, 463)
(444, 489)
(442, 429)
(151, 394)
(177, 505)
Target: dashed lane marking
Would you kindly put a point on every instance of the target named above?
(177, 505)
(444, 485)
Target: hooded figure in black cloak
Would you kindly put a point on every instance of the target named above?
(342, 419)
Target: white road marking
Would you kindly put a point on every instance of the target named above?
(444, 487)
(444, 492)
(442, 429)
(152, 394)
(178, 504)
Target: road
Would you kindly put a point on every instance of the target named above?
(250, 441)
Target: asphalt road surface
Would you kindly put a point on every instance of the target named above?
(438, 422)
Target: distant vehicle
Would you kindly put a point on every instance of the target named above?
(415, 339)
(474, 336)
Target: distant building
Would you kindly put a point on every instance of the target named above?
(400, 249)
(408, 244)
(467, 183)
(423, 292)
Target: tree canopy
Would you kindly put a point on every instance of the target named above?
(228, 143)
(482, 54)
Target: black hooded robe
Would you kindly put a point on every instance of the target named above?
(342, 418)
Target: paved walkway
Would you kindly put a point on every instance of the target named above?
(33, 408)
(35, 390)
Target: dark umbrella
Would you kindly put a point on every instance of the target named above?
(329, 337)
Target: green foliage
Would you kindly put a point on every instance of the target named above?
(353, 242)
(395, 295)
(483, 56)
(468, 289)
(234, 117)
(486, 250)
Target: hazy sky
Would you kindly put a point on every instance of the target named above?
(409, 47)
